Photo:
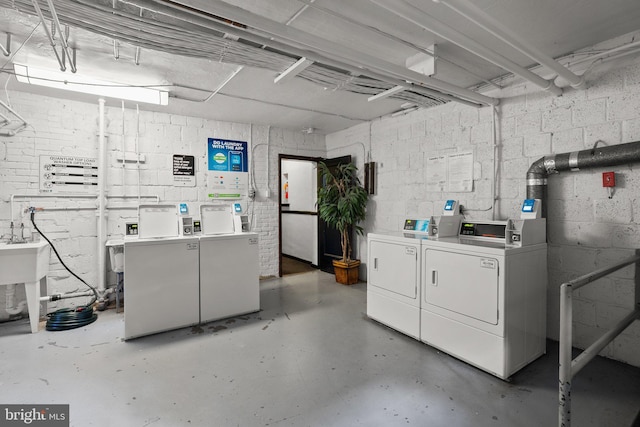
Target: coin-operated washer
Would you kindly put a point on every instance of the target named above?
(484, 292)
(394, 263)
(229, 263)
(162, 274)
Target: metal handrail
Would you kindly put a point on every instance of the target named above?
(569, 367)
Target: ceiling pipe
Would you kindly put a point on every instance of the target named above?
(49, 35)
(539, 170)
(196, 18)
(431, 24)
(6, 51)
(606, 53)
(398, 40)
(65, 45)
(479, 17)
(294, 38)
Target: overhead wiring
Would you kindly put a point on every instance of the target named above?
(180, 36)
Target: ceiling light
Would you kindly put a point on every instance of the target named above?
(293, 70)
(386, 93)
(403, 112)
(58, 80)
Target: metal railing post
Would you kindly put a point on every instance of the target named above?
(566, 339)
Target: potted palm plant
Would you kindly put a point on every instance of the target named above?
(342, 202)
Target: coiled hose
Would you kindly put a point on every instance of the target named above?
(68, 318)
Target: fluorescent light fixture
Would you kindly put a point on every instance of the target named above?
(293, 70)
(403, 112)
(386, 93)
(59, 80)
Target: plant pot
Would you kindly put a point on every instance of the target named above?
(347, 273)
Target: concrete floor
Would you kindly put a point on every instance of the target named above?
(311, 357)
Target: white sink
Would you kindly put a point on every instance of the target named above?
(26, 263)
(23, 262)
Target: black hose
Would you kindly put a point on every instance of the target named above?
(68, 318)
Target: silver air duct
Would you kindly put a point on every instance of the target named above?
(596, 157)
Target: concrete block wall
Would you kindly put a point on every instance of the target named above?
(71, 128)
(586, 229)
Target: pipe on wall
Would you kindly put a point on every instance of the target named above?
(595, 157)
(101, 212)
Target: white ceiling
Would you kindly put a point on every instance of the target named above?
(362, 33)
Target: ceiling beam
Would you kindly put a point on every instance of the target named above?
(427, 22)
(479, 17)
(297, 38)
(194, 17)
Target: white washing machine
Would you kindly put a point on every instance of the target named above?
(162, 285)
(229, 275)
(483, 299)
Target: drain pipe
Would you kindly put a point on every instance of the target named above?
(539, 170)
(101, 201)
(10, 305)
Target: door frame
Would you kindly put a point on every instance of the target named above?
(282, 157)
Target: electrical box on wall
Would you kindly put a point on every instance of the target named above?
(609, 182)
(608, 179)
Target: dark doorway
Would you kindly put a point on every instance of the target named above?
(329, 238)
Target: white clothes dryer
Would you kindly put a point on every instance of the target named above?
(484, 301)
(393, 281)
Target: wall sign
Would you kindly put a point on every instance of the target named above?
(184, 170)
(228, 168)
(452, 173)
(226, 155)
(68, 175)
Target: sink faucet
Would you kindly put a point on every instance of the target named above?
(17, 238)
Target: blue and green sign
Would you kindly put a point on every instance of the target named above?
(227, 155)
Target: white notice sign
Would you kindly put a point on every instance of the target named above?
(68, 175)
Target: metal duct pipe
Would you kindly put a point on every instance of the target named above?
(539, 170)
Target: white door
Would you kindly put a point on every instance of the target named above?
(462, 283)
(394, 267)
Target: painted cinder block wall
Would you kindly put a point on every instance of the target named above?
(586, 229)
(64, 127)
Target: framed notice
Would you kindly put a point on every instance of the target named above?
(184, 170)
(68, 175)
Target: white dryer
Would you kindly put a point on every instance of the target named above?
(393, 281)
(394, 269)
(483, 300)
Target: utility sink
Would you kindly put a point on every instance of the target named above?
(23, 262)
(26, 263)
